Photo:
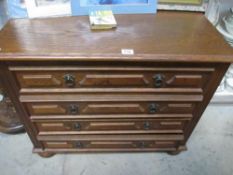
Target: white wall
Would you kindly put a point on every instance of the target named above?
(225, 6)
(3, 14)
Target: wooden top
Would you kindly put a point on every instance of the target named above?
(166, 36)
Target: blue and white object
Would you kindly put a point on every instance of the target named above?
(83, 7)
(16, 9)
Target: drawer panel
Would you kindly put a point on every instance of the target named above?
(101, 145)
(111, 77)
(110, 126)
(110, 142)
(88, 108)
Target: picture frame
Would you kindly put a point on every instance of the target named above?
(16, 9)
(47, 10)
(183, 5)
(190, 2)
(83, 7)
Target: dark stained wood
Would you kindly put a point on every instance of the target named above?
(209, 92)
(83, 143)
(177, 151)
(97, 108)
(105, 145)
(173, 36)
(46, 154)
(76, 92)
(12, 90)
(95, 77)
(119, 126)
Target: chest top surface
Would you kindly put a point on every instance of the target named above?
(167, 36)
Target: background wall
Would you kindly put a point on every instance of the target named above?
(225, 6)
(3, 15)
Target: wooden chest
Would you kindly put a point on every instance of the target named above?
(140, 87)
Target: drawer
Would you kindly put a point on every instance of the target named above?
(111, 126)
(89, 108)
(112, 77)
(101, 145)
(111, 142)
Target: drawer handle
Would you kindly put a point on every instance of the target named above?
(146, 125)
(77, 126)
(73, 109)
(158, 80)
(153, 108)
(78, 144)
(69, 80)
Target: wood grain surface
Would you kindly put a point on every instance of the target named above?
(172, 36)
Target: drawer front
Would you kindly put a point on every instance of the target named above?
(101, 77)
(101, 126)
(111, 142)
(89, 108)
(109, 145)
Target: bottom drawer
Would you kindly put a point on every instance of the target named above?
(111, 143)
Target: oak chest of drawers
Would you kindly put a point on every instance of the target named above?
(77, 90)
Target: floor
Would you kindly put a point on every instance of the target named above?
(210, 151)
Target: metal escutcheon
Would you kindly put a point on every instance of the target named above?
(158, 80)
(69, 80)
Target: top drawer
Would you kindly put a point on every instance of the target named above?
(112, 77)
